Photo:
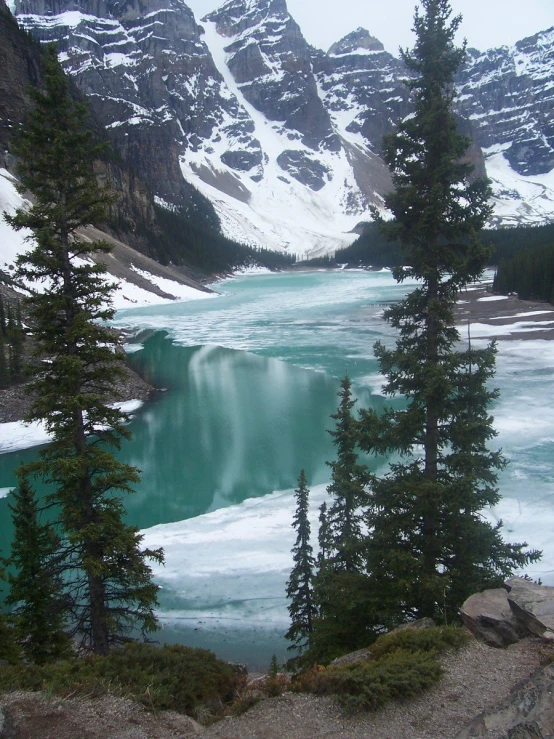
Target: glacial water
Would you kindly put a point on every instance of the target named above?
(249, 381)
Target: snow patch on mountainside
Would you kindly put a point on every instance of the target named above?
(277, 211)
(518, 199)
(12, 242)
(127, 295)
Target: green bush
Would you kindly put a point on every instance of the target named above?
(401, 664)
(171, 677)
(436, 640)
(399, 674)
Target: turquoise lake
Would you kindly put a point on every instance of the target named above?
(249, 381)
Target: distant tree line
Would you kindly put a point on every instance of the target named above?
(178, 239)
(12, 339)
(373, 249)
(529, 274)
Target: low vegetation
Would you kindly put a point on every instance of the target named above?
(181, 241)
(190, 681)
(399, 665)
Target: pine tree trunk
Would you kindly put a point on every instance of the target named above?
(431, 444)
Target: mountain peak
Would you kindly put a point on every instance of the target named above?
(358, 40)
(234, 14)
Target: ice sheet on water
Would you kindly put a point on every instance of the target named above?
(232, 564)
(18, 435)
(230, 567)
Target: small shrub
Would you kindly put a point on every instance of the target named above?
(171, 677)
(402, 664)
(243, 704)
(437, 639)
(397, 675)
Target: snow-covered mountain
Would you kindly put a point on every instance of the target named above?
(284, 139)
(508, 95)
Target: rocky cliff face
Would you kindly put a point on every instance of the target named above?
(508, 93)
(19, 62)
(139, 276)
(284, 139)
(271, 62)
(148, 76)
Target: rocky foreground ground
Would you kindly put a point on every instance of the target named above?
(486, 692)
(477, 679)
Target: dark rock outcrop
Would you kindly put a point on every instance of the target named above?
(527, 713)
(508, 95)
(150, 79)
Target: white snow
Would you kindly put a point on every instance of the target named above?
(524, 314)
(518, 198)
(282, 215)
(485, 330)
(129, 295)
(4, 492)
(492, 298)
(18, 435)
(12, 242)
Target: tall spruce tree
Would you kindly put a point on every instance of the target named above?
(429, 547)
(342, 590)
(302, 608)
(39, 611)
(108, 579)
(348, 488)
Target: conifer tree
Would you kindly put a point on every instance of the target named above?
(3, 324)
(109, 582)
(4, 377)
(15, 337)
(8, 647)
(342, 590)
(36, 588)
(302, 609)
(323, 535)
(429, 547)
(348, 488)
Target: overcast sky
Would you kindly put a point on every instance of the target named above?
(486, 23)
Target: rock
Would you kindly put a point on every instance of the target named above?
(489, 618)
(419, 625)
(533, 606)
(363, 655)
(180, 724)
(527, 713)
(360, 655)
(526, 731)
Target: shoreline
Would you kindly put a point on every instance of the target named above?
(498, 317)
(503, 317)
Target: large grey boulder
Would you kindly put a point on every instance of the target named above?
(533, 606)
(489, 618)
(527, 713)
